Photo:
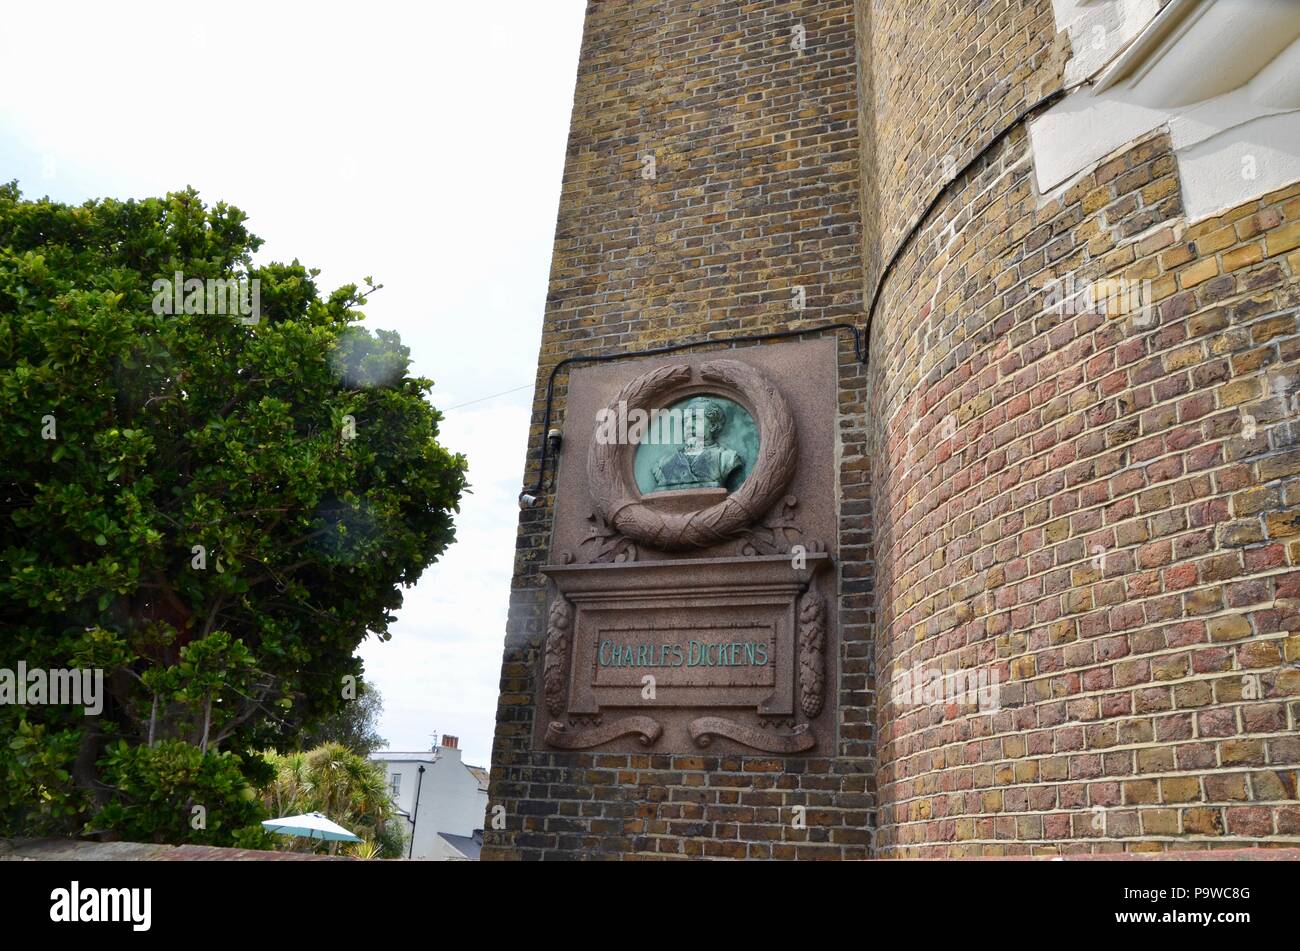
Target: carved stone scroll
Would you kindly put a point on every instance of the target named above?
(798, 740)
(558, 735)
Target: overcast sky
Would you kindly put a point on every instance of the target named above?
(420, 143)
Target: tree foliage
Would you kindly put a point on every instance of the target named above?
(355, 725)
(212, 511)
(341, 785)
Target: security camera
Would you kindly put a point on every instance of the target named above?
(527, 501)
(553, 440)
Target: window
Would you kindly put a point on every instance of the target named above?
(396, 781)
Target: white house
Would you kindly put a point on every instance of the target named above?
(441, 799)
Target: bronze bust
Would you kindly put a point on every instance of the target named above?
(701, 463)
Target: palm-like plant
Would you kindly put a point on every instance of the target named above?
(336, 782)
(291, 787)
(365, 850)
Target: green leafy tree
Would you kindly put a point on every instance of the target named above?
(213, 509)
(356, 725)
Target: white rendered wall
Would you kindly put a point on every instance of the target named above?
(450, 800)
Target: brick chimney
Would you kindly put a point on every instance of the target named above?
(451, 742)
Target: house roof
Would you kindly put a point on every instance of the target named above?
(466, 845)
(480, 774)
(392, 756)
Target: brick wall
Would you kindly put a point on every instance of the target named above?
(1108, 522)
(942, 77)
(755, 192)
(1067, 499)
(1096, 505)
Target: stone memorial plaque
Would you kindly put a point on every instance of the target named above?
(722, 654)
(691, 599)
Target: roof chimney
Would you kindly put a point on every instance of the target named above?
(451, 742)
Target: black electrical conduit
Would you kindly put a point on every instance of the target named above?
(861, 336)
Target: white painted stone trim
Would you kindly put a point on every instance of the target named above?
(1223, 76)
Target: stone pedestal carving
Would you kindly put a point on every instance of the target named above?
(672, 639)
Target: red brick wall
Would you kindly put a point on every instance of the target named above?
(1097, 528)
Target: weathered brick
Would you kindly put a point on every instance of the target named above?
(1109, 427)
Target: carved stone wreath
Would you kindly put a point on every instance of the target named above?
(619, 502)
